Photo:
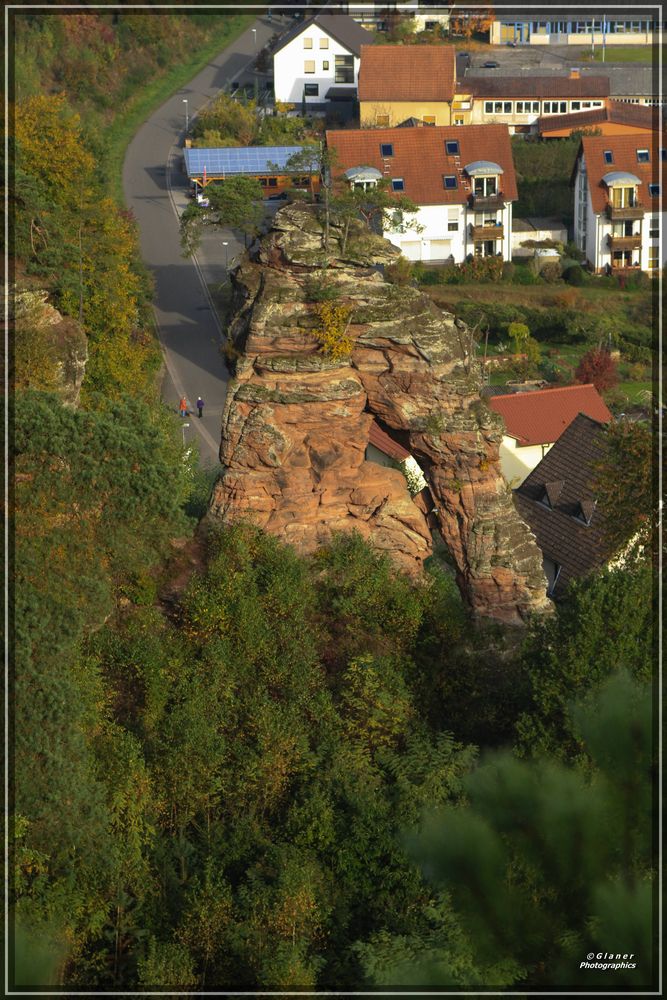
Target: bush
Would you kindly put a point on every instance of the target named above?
(402, 272)
(524, 274)
(574, 275)
(474, 269)
(509, 270)
(573, 251)
(550, 271)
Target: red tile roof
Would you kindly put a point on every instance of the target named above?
(540, 417)
(386, 444)
(637, 115)
(420, 157)
(407, 73)
(535, 86)
(624, 150)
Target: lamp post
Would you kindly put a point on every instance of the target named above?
(183, 426)
(187, 122)
(226, 246)
(254, 36)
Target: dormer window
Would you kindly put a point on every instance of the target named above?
(486, 186)
(585, 511)
(452, 147)
(608, 156)
(551, 493)
(386, 149)
(642, 156)
(363, 178)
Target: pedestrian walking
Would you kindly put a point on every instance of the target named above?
(183, 406)
(200, 406)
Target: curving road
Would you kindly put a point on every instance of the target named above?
(155, 188)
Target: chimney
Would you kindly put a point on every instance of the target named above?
(574, 74)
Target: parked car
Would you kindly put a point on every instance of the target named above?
(490, 64)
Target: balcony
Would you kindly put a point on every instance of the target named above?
(625, 242)
(491, 202)
(625, 214)
(487, 233)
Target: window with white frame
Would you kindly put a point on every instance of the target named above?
(653, 258)
(555, 107)
(642, 156)
(654, 229)
(575, 105)
(528, 107)
(488, 107)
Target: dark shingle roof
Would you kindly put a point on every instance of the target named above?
(564, 479)
(536, 86)
(342, 27)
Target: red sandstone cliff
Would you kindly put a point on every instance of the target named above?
(295, 426)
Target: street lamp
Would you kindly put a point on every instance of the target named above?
(185, 102)
(226, 245)
(183, 426)
(254, 35)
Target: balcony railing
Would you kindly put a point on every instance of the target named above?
(627, 213)
(490, 202)
(625, 242)
(487, 232)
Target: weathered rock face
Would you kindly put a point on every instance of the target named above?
(59, 346)
(296, 423)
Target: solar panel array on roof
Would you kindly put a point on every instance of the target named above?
(237, 160)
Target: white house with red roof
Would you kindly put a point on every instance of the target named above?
(618, 215)
(461, 178)
(535, 420)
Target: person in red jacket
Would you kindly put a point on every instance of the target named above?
(183, 406)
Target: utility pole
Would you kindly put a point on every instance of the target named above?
(187, 121)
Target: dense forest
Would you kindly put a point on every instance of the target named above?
(237, 767)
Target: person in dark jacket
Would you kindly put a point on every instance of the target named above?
(200, 406)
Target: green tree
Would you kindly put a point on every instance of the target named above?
(236, 203)
(546, 863)
(623, 483)
(604, 624)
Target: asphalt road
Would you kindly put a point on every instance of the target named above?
(155, 186)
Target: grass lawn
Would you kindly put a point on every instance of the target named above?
(620, 53)
(148, 98)
(636, 391)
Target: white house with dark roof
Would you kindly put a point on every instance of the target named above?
(318, 60)
(618, 216)
(461, 178)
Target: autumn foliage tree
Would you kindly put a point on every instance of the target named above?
(597, 367)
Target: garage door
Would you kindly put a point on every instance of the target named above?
(412, 250)
(439, 249)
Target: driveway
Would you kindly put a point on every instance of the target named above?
(154, 186)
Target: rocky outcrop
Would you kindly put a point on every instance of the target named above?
(51, 350)
(296, 422)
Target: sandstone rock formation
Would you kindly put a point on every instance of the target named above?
(51, 350)
(296, 422)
